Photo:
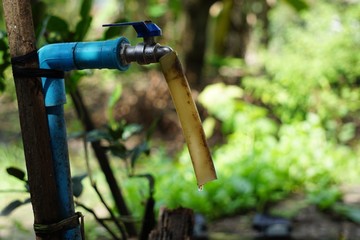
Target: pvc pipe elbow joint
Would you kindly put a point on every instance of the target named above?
(77, 55)
(83, 55)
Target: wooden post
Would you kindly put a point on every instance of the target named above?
(174, 224)
(34, 128)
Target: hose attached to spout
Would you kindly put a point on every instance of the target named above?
(189, 118)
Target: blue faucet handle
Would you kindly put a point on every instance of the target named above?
(144, 28)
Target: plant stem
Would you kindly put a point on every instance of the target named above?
(99, 220)
(122, 231)
(93, 184)
(102, 159)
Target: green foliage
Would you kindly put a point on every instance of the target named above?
(310, 67)
(57, 30)
(4, 60)
(19, 174)
(116, 136)
(49, 29)
(83, 25)
(325, 198)
(350, 212)
(298, 5)
(113, 99)
(262, 162)
(288, 126)
(157, 9)
(113, 32)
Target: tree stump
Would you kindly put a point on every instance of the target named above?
(174, 224)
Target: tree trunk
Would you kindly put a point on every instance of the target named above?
(34, 128)
(174, 224)
(222, 26)
(239, 33)
(195, 38)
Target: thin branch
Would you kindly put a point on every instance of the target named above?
(99, 220)
(113, 217)
(87, 160)
(13, 191)
(93, 184)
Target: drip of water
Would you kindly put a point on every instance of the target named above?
(201, 188)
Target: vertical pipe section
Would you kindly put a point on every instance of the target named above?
(55, 98)
(189, 118)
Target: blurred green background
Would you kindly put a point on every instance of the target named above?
(277, 84)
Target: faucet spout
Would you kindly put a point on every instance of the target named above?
(143, 53)
(162, 51)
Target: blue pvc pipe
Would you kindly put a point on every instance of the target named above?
(66, 57)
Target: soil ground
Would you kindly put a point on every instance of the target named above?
(309, 224)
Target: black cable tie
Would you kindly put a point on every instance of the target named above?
(20, 60)
(22, 72)
(68, 223)
(19, 72)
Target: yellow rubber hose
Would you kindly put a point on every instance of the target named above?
(189, 118)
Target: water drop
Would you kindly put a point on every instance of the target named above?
(201, 187)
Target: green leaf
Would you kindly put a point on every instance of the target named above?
(82, 28)
(97, 135)
(130, 130)
(39, 9)
(77, 185)
(115, 96)
(76, 135)
(112, 32)
(350, 212)
(151, 129)
(12, 206)
(58, 24)
(85, 8)
(16, 172)
(3, 45)
(58, 29)
(298, 5)
(325, 198)
(2, 84)
(176, 7)
(157, 10)
(116, 131)
(137, 151)
(113, 99)
(5, 61)
(347, 132)
(118, 150)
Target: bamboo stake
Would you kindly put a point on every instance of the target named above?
(34, 129)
